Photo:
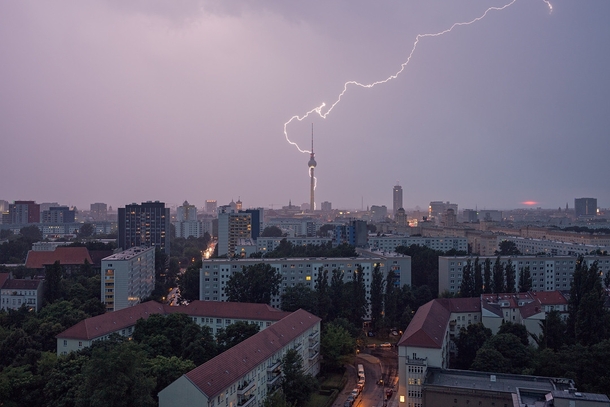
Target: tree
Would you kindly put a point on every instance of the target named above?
(296, 385)
(299, 296)
(507, 248)
(498, 277)
(31, 233)
(86, 230)
(235, 333)
(52, 277)
(553, 331)
(336, 346)
(513, 351)
(376, 294)
(323, 301)
(166, 370)
(336, 295)
(511, 275)
(490, 360)
(519, 330)
(468, 342)
(487, 286)
(359, 304)
(467, 284)
(478, 278)
(272, 231)
(188, 282)
(525, 280)
(116, 377)
(256, 283)
(586, 313)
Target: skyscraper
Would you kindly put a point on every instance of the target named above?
(312, 164)
(232, 226)
(396, 199)
(585, 207)
(144, 225)
(24, 212)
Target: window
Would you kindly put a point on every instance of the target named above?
(65, 342)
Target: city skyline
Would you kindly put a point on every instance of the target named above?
(118, 102)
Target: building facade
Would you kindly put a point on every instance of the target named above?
(127, 277)
(391, 242)
(144, 225)
(396, 199)
(15, 293)
(24, 212)
(585, 207)
(232, 226)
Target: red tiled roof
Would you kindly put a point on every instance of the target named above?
(105, 324)
(428, 326)
(109, 322)
(550, 297)
(218, 373)
(530, 309)
(98, 255)
(65, 255)
(3, 278)
(461, 304)
(21, 284)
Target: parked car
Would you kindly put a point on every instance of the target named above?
(385, 345)
(350, 400)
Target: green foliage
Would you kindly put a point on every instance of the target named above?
(322, 295)
(31, 233)
(511, 275)
(518, 330)
(256, 284)
(355, 290)
(498, 277)
(296, 385)
(235, 333)
(525, 280)
(377, 291)
(336, 346)
(86, 230)
(586, 312)
(553, 332)
(510, 354)
(52, 282)
(189, 282)
(298, 296)
(507, 248)
(478, 278)
(468, 342)
(272, 231)
(487, 286)
(166, 370)
(287, 249)
(467, 284)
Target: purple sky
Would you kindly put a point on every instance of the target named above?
(126, 101)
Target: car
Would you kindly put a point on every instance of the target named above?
(385, 345)
(350, 399)
(347, 404)
(355, 393)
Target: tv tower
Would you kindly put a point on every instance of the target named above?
(312, 164)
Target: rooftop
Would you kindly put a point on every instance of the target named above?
(128, 254)
(65, 255)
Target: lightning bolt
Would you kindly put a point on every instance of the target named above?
(323, 114)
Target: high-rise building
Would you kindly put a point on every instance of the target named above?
(585, 206)
(256, 219)
(232, 226)
(211, 206)
(438, 208)
(312, 165)
(24, 212)
(58, 214)
(128, 277)
(99, 211)
(326, 206)
(396, 199)
(186, 212)
(144, 225)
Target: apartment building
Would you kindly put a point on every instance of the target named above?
(15, 293)
(246, 373)
(127, 277)
(215, 273)
(389, 243)
(215, 315)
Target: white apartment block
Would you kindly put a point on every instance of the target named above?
(390, 242)
(548, 273)
(215, 273)
(268, 244)
(188, 228)
(552, 247)
(212, 314)
(127, 277)
(244, 375)
(16, 293)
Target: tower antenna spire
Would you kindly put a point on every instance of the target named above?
(312, 138)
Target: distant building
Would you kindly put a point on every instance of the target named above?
(58, 214)
(24, 212)
(232, 226)
(99, 211)
(585, 207)
(256, 221)
(354, 233)
(127, 277)
(390, 242)
(379, 213)
(210, 206)
(396, 199)
(470, 215)
(326, 206)
(268, 244)
(3, 206)
(246, 373)
(144, 225)
(186, 212)
(438, 208)
(487, 215)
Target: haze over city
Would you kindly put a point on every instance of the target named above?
(120, 102)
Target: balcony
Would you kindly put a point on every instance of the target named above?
(273, 380)
(245, 387)
(314, 336)
(246, 401)
(275, 367)
(298, 347)
(313, 355)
